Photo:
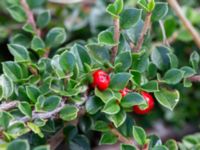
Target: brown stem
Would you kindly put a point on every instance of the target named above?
(58, 138)
(8, 106)
(195, 78)
(176, 7)
(122, 138)
(33, 70)
(30, 16)
(116, 38)
(47, 51)
(147, 24)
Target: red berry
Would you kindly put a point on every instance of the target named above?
(124, 92)
(150, 103)
(101, 80)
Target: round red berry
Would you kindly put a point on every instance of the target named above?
(124, 92)
(150, 104)
(101, 80)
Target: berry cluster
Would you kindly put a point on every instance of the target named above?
(101, 80)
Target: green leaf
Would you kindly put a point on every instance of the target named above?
(70, 131)
(19, 52)
(67, 62)
(129, 17)
(37, 45)
(55, 63)
(184, 35)
(43, 19)
(17, 13)
(187, 83)
(127, 147)
(99, 53)
(106, 37)
(160, 147)
(194, 60)
(12, 70)
(21, 39)
(111, 108)
(93, 105)
(115, 8)
(35, 4)
(151, 86)
(108, 138)
(43, 147)
(51, 103)
(143, 4)
(154, 141)
(105, 95)
(5, 119)
(151, 5)
(152, 70)
(160, 11)
(118, 119)
(80, 142)
(29, 28)
(159, 57)
(167, 98)
(171, 145)
(25, 108)
(173, 60)
(140, 61)
(124, 60)
(69, 113)
(188, 71)
(81, 55)
(173, 76)
(19, 144)
(136, 76)
(35, 129)
(7, 87)
(33, 93)
(55, 37)
(101, 126)
(132, 99)
(139, 135)
(119, 81)
(17, 129)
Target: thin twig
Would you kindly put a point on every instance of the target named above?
(58, 138)
(165, 41)
(169, 40)
(42, 115)
(116, 38)
(195, 78)
(146, 26)
(9, 105)
(122, 138)
(30, 16)
(176, 7)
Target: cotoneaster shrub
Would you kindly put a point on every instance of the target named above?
(91, 86)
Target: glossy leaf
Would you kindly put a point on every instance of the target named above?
(173, 76)
(25, 108)
(108, 138)
(69, 113)
(19, 52)
(115, 8)
(93, 105)
(129, 17)
(139, 135)
(167, 98)
(132, 99)
(119, 81)
(43, 19)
